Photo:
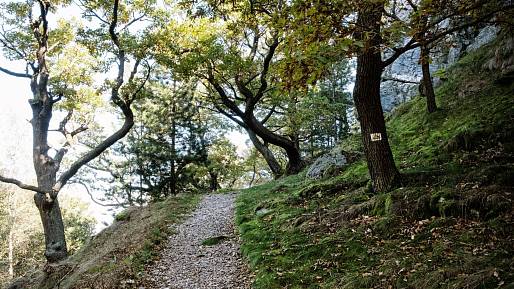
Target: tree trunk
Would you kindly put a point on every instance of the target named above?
(254, 174)
(46, 170)
(366, 95)
(11, 253)
(214, 185)
(173, 169)
(428, 87)
(295, 162)
(53, 226)
(267, 154)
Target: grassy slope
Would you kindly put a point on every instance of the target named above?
(116, 257)
(449, 226)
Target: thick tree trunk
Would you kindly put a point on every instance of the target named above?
(46, 170)
(267, 154)
(366, 95)
(295, 162)
(428, 86)
(53, 226)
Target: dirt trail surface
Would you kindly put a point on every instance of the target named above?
(185, 263)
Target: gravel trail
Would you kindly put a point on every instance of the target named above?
(185, 263)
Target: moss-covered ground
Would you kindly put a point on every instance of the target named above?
(449, 224)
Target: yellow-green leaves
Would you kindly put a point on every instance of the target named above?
(188, 45)
(60, 36)
(72, 77)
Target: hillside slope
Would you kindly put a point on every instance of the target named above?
(115, 258)
(449, 225)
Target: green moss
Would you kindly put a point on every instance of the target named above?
(121, 216)
(383, 205)
(336, 233)
(357, 172)
(213, 240)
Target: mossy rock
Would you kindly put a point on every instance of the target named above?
(212, 241)
(466, 140)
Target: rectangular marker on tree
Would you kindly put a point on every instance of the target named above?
(376, 136)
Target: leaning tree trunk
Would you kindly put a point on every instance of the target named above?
(428, 87)
(366, 95)
(266, 153)
(295, 163)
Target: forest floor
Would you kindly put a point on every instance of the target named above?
(448, 224)
(203, 252)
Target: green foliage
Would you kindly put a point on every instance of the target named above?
(121, 216)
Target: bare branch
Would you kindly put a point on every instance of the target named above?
(95, 201)
(21, 185)
(398, 80)
(88, 12)
(140, 87)
(15, 74)
(265, 69)
(267, 117)
(6, 43)
(414, 43)
(133, 21)
(224, 97)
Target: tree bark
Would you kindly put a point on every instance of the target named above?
(53, 226)
(45, 166)
(173, 169)
(428, 86)
(248, 120)
(366, 96)
(214, 184)
(266, 153)
(295, 161)
(46, 169)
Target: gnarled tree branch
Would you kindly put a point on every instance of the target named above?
(21, 185)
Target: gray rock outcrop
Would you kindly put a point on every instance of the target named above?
(326, 164)
(407, 67)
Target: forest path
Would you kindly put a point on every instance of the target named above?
(185, 263)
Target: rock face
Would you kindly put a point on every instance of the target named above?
(326, 164)
(407, 67)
